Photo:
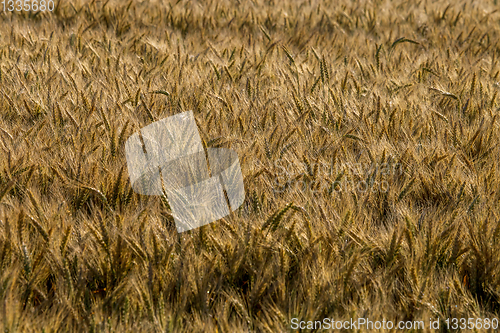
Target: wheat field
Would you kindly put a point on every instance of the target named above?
(367, 133)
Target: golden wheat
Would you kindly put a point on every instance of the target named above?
(366, 132)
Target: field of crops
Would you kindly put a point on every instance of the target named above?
(367, 133)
